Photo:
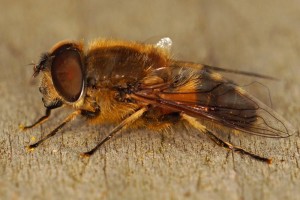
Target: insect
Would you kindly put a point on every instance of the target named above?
(138, 85)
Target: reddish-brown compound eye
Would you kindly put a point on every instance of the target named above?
(67, 74)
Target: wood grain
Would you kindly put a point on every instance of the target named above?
(258, 36)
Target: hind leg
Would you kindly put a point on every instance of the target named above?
(193, 121)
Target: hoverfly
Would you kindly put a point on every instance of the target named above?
(132, 84)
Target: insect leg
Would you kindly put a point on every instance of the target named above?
(193, 121)
(129, 120)
(53, 132)
(240, 150)
(39, 121)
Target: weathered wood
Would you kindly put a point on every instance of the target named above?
(258, 36)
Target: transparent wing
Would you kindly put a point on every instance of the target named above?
(219, 69)
(203, 94)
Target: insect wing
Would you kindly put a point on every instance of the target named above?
(206, 95)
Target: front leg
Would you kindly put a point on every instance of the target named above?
(38, 122)
(53, 132)
(41, 120)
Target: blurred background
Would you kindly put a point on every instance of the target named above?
(257, 36)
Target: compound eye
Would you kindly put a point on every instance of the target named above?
(67, 74)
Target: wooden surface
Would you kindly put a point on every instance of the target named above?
(257, 36)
